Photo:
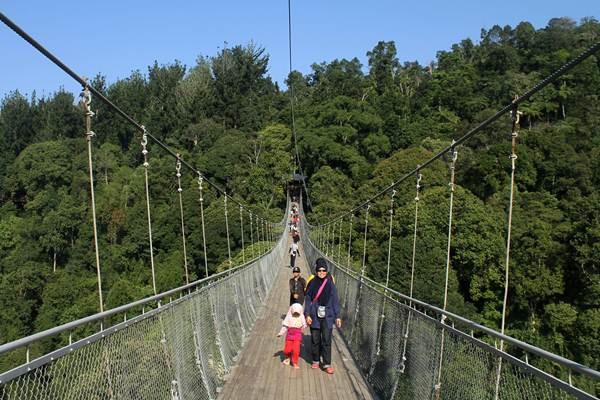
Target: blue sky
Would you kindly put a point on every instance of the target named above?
(116, 37)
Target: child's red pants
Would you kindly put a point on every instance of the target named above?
(292, 348)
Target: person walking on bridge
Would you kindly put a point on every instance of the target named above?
(297, 287)
(322, 309)
(293, 324)
(294, 252)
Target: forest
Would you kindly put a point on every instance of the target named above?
(359, 128)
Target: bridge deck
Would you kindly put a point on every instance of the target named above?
(259, 373)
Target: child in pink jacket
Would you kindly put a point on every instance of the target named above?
(293, 324)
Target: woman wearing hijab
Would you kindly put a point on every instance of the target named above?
(322, 308)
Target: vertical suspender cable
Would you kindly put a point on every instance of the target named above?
(320, 237)
(387, 277)
(412, 272)
(332, 240)
(242, 234)
(326, 240)
(335, 241)
(387, 283)
(329, 238)
(258, 235)
(438, 386)
(348, 258)
(297, 164)
(349, 241)
(263, 234)
(179, 191)
(257, 226)
(266, 234)
(227, 230)
(146, 165)
(86, 96)
(513, 158)
(200, 180)
(339, 257)
(251, 234)
(364, 259)
(362, 271)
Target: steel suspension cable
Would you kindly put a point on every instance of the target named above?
(86, 97)
(201, 199)
(180, 191)
(438, 386)
(513, 159)
(146, 166)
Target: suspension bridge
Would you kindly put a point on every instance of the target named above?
(214, 338)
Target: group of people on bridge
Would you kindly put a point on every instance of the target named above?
(295, 232)
(314, 303)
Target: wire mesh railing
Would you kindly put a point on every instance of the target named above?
(395, 342)
(179, 350)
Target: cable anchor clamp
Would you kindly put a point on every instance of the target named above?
(178, 165)
(86, 100)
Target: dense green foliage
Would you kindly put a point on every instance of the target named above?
(357, 132)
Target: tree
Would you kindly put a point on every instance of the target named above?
(161, 112)
(383, 65)
(60, 118)
(241, 88)
(17, 127)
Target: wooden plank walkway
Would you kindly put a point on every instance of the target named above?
(259, 373)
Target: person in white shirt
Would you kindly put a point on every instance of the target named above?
(294, 251)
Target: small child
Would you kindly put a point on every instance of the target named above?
(293, 324)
